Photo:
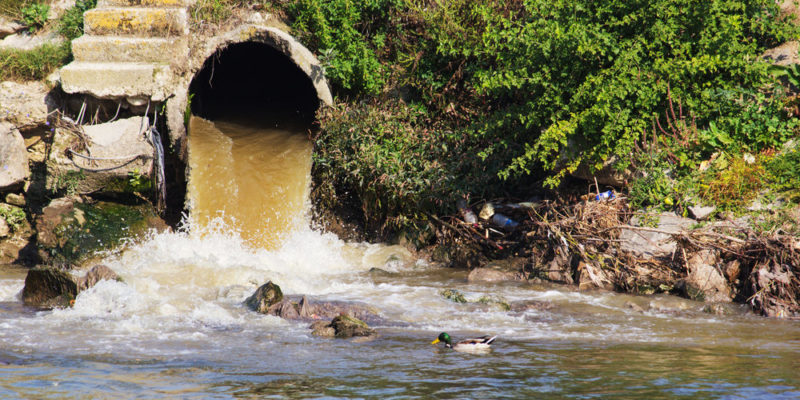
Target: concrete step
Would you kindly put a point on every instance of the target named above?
(145, 3)
(136, 21)
(109, 79)
(129, 49)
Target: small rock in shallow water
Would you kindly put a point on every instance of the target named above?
(342, 327)
(96, 274)
(264, 297)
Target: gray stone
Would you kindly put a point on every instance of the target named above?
(645, 243)
(706, 277)
(13, 158)
(493, 275)
(9, 27)
(509, 269)
(15, 199)
(118, 149)
(5, 230)
(785, 54)
(96, 274)
(701, 213)
(25, 105)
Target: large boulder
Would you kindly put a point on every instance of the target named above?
(266, 296)
(111, 158)
(25, 105)
(48, 287)
(654, 243)
(14, 158)
(70, 230)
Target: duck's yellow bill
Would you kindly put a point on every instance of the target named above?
(435, 341)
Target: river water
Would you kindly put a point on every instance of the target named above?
(176, 326)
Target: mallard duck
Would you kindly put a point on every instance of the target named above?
(480, 344)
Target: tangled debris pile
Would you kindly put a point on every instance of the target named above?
(601, 243)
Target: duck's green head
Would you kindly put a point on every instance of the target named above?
(443, 337)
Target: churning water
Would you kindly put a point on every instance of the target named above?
(176, 326)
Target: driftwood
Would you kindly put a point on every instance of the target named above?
(580, 244)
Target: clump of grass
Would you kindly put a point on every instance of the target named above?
(35, 64)
(11, 8)
(34, 16)
(736, 186)
(70, 24)
(784, 172)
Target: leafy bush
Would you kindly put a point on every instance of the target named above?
(400, 163)
(33, 64)
(70, 24)
(784, 171)
(349, 35)
(34, 15)
(14, 216)
(536, 88)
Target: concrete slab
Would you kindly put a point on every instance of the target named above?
(129, 49)
(136, 21)
(115, 80)
(145, 3)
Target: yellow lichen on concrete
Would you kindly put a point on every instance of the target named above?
(149, 21)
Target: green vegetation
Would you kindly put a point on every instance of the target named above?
(11, 8)
(33, 64)
(70, 24)
(34, 16)
(95, 227)
(38, 63)
(14, 216)
(440, 100)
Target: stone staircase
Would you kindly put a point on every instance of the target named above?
(129, 49)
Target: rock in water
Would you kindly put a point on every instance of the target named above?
(96, 274)
(342, 327)
(266, 296)
(49, 287)
(323, 329)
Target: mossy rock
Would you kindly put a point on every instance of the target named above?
(264, 297)
(347, 326)
(453, 295)
(70, 232)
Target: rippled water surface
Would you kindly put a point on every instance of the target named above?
(176, 327)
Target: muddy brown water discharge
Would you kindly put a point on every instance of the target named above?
(253, 178)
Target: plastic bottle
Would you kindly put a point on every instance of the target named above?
(487, 211)
(466, 213)
(501, 221)
(607, 195)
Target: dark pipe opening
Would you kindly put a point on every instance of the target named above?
(254, 79)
